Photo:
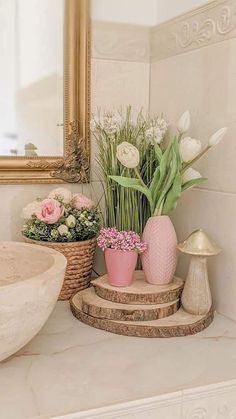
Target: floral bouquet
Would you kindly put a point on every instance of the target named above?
(61, 217)
(121, 254)
(127, 210)
(173, 167)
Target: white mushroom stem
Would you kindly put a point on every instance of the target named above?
(196, 297)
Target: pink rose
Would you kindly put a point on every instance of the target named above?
(81, 201)
(49, 211)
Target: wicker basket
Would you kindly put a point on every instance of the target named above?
(80, 257)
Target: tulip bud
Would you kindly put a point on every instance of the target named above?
(217, 137)
(128, 155)
(191, 174)
(183, 124)
(189, 148)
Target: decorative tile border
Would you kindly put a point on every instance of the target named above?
(214, 22)
(114, 41)
(206, 25)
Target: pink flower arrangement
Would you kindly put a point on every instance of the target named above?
(49, 211)
(111, 238)
(81, 201)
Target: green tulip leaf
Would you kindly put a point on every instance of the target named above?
(154, 181)
(177, 152)
(193, 182)
(173, 195)
(158, 152)
(173, 169)
(163, 169)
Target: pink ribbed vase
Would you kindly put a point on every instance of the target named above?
(160, 259)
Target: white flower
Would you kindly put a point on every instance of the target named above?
(183, 124)
(111, 123)
(63, 229)
(61, 193)
(154, 135)
(70, 221)
(217, 137)
(189, 148)
(191, 174)
(30, 210)
(162, 124)
(128, 155)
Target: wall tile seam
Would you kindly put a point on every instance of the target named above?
(122, 61)
(217, 191)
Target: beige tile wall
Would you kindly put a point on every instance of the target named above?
(203, 80)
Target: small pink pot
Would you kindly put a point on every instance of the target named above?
(120, 266)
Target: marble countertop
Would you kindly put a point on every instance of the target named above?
(70, 367)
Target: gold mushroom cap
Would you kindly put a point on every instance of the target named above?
(198, 243)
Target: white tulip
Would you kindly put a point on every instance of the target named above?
(70, 221)
(63, 229)
(183, 124)
(191, 174)
(189, 148)
(30, 210)
(217, 137)
(61, 193)
(128, 155)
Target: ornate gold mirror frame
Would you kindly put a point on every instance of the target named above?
(74, 165)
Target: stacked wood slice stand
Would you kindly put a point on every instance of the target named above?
(141, 310)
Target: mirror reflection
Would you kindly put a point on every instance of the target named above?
(31, 77)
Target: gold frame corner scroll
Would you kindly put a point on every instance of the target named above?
(74, 165)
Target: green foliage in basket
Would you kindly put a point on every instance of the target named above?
(61, 218)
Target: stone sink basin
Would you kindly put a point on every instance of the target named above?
(31, 278)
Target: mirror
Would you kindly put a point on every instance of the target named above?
(31, 77)
(44, 91)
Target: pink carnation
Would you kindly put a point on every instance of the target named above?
(49, 211)
(80, 201)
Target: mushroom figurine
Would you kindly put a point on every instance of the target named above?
(196, 297)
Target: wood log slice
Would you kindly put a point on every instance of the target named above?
(140, 292)
(95, 306)
(178, 325)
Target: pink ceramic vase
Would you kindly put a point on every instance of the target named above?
(160, 259)
(120, 266)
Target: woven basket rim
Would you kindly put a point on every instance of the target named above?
(45, 243)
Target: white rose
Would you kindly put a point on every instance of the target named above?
(183, 124)
(191, 174)
(189, 148)
(128, 155)
(61, 193)
(30, 210)
(63, 229)
(70, 221)
(217, 137)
